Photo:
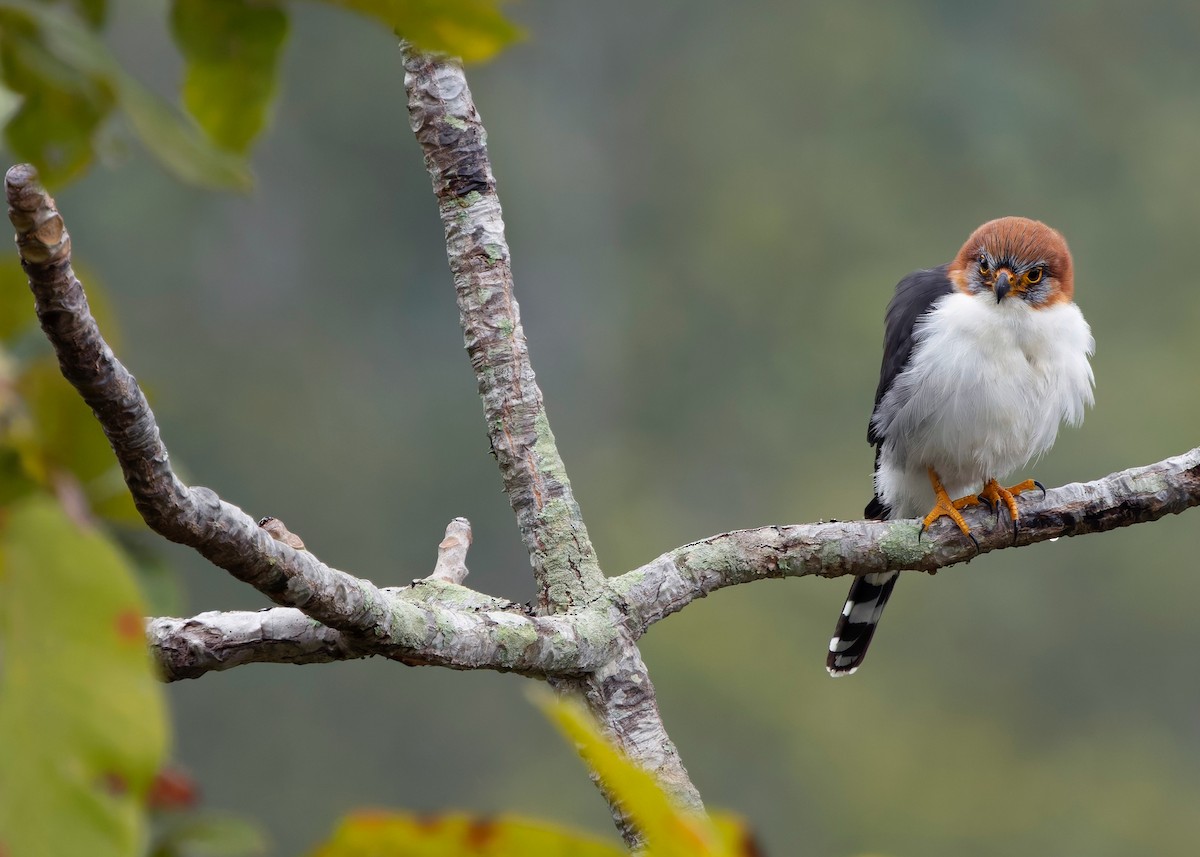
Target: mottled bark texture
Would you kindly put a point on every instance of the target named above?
(584, 637)
(447, 125)
(457, 628)
(678, 577)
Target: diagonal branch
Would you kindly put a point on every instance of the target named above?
(433, 622)
(447, 125)
(673, 580)
(195, 517)
(621, 695)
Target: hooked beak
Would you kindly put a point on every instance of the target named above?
(1003, 284)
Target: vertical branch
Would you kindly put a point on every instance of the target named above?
(452, 137)
(447, 125)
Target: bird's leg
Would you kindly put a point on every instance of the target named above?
(993, 494)
(944, 507)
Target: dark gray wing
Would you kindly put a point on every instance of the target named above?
(915, 294)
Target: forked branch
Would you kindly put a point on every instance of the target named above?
(584, 636)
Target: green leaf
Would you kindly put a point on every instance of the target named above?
(82, 720)
(371, 834)
(16, 301)
(231, 49)
(474, 30)
(15, 481)
(180, 146)
(9, 102)
(210, 835)
(157, 579)
(52, 129)
(93, 12)
(67, 437)
(60, 106)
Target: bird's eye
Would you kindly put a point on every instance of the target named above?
(1035, 276)
(984, 268)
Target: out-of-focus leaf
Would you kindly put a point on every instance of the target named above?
(210, 835)
(60, 108)
(69, 438)
(15, 481)
(231, 48)
(474, 30)
(371, 834)
(9, 102)
(157, 580)
(179, 145)
(60, 439)
(52, 129)
(16, 302)
(669, 830)
(82, 721)
(93, 12)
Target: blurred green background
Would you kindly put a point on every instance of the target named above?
(708, 206)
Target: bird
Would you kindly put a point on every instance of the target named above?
(983, 358)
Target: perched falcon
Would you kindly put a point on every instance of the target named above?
(982, 359)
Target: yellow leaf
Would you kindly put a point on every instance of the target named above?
(386, 834)
(670, 831)
(82, 720)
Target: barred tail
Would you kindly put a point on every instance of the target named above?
(856, 625)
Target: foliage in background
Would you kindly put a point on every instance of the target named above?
(705, 308)
(60, 85)
(82, 715)
(669, 831)
(83, 721)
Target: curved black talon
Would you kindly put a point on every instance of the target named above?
(1043, 487)
(974, 542)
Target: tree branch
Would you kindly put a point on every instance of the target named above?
(447, 631)
(188, 648)
(673, 580)
(584, 639)
(621, 696)
(447, 125)
(213, 641)
(195, 517)
(433, 622)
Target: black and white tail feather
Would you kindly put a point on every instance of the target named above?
(868, 596)
(915, 295)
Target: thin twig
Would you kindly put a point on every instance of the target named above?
(452, 552)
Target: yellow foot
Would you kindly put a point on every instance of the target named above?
(993, 494)
(944, 507)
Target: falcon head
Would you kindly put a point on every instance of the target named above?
(1015, 259)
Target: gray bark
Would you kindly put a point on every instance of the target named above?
(582, 636)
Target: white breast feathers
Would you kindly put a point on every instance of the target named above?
(983, 393)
